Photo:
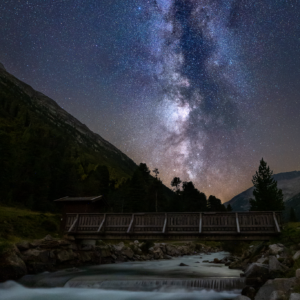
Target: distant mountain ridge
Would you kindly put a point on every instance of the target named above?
(289, 182)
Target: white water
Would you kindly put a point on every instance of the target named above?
(159, 280)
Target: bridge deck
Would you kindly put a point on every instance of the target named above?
(182, 226)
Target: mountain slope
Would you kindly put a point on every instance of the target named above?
(289, 182)
(47, 153)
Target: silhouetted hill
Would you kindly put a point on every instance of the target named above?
(46, 152)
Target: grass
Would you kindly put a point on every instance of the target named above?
(17, 224)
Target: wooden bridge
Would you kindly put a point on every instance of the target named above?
(175, 226)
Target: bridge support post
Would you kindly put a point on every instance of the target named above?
(237, 223)
(277, 228)
(102, 223)
(165, 223)
(200, 223)
(130, 225)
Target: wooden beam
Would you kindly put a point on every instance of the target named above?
(165, 223)
(130, 225)
(75, 221)
(276, 223)
(102, 223)
(200, 223)
(237, 223)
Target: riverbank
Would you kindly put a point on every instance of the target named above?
(50, 254)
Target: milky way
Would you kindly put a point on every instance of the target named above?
(199, 89)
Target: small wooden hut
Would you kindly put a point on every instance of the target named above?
(70, 205)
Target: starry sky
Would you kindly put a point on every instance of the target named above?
(198, 89)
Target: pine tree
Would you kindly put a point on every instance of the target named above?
(229, 208)
(267, 196)
(293, 217)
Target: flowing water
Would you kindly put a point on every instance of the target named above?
(159, 280)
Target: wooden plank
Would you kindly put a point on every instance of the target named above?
(276, 223)
(130, 225)
(165, 224)
(102, 223)
(200, 223)
(75, 221)
(237, 222)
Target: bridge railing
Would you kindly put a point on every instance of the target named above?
(175, 223)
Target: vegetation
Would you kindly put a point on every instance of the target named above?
(267, 196)
(16, 224)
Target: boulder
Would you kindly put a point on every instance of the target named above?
(296, 255)
(12, 267)
(249, 291)
(128, 252)
(172, 250)
(35, 243)
(85, 256)
(38, 256)
(65, 255)
(294, 296)
(183, 265)
(278, 284)
(167, 256)
(23, 245)
(104, 251)
(48, 237)
(275, 266)
(298, 273)
(257, 270)
(156, 252)
(275, 249)
(119, 247)
(278, 295)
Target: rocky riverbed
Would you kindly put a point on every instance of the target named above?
(49, 254)
(264, 267)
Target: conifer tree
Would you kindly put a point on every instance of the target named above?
(267, 197)
(229, 208)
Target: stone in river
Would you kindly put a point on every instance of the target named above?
(183, 265)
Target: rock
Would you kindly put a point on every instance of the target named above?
(298, 273)
(104, 251)
(167, 256)
(65, 255)
(128, 252)
(257, 270)
(69, 237)
(249, 291)
(294, 296)
(85, 256)
(275, 249)
(241, 297)
(119, 247)
(35, 243)
(262, 260)
(38, 256)
(183, 265)
(296, 255)
(85, 247)
(136, 242)
(278, 284)
(275, 266)
(48, 237)
(50, 244)
(23, 245)
(12, 267)
(172, 250)
(277, 295)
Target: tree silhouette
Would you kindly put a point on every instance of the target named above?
(266, 194)
(176, 183)
(229, 208)
(155, 171)
(214, 204)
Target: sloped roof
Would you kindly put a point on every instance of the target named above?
(91, 199)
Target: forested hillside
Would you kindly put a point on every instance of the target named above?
(46, 154)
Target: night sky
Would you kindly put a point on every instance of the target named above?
(199, 89)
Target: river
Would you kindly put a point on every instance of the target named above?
(157, 279)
